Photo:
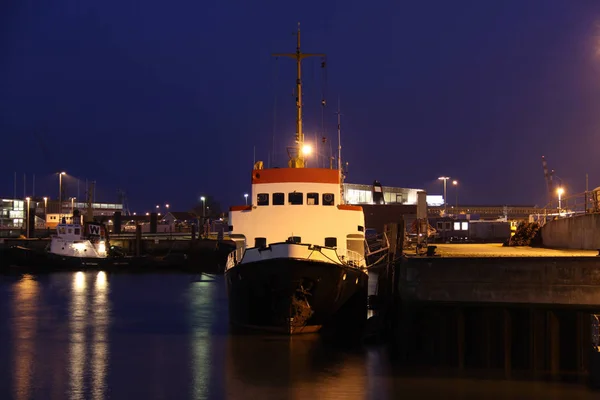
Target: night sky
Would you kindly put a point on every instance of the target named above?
(167, 100)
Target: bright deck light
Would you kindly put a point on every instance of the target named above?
(306, 149)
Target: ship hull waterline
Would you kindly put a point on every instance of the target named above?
(292, 296)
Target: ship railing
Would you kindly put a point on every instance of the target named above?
(354, 259)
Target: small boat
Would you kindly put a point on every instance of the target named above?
(299, 262)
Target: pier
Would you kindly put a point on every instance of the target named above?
(520, 311)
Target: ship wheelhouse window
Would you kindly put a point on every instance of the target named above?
(262, 199)
(294, 239)
(328, 199)
(260, 242)
(312, 199)
(330, 242)
(278, 199)
(295, 198)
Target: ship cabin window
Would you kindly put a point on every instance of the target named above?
(278, 199)
(330, 242)
(328, 199)
(294, 239)
(77, 231)
(295, 198)
(260, 242)
(312, 199)
(262, 199)
(62, 230)
(361, 228)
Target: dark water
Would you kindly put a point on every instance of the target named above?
(97, 336)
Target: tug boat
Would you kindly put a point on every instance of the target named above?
(299, 262)
(76, 244)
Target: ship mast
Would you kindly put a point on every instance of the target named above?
(297, 160)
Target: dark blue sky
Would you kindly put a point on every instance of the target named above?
(167, 100)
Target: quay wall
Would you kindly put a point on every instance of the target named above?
(564, 281)
(580, 232)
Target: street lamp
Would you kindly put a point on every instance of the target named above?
(203, 206)
(60, 175)
(455, 184)
(246, 197)
(45, 206)
(444, 178)
(72, 206)
(28, 200)
(560, 192)
(167, 207)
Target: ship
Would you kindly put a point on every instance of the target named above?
(299, 263)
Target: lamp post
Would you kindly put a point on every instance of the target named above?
(60, 175)
(203, 199)
(167, 207)
(246, 197)
(46, 210)
(28, 200)
(444, 178)
(560, 192)
(455, 184)
(72, 205)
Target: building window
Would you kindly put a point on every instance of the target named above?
(328, 199)
(330, 242)
(312, 199)
(440, 226)
(465, 226)
(398, 198)
(262, 199)
(278, 199)
(260, 242)
(77, 231)
(448, 225)
(295, 198)
(457, 226)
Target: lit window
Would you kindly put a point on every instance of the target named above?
(457, 226)
(465, 226)
(312, 199)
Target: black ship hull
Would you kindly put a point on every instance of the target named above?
(293, 296)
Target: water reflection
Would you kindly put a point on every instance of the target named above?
(203, 316)
(24, 323)
(96, 312)
(299, 367)
(100, 340)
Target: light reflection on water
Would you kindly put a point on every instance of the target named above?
(98, 336)
(25, 303)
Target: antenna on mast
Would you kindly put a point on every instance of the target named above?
(297, 160)
(339, 158)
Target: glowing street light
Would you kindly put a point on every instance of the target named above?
(444, 178)
(45, 206)
(203, 199)
(455, 184)
(28, 200)
(246, 197)
(72, 207)
(560, 192)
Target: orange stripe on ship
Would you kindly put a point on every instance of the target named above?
(286, 175)
(349, 207)
(240, 208)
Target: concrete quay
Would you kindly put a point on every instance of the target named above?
(519, 311)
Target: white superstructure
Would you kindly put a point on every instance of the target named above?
(298, 206)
